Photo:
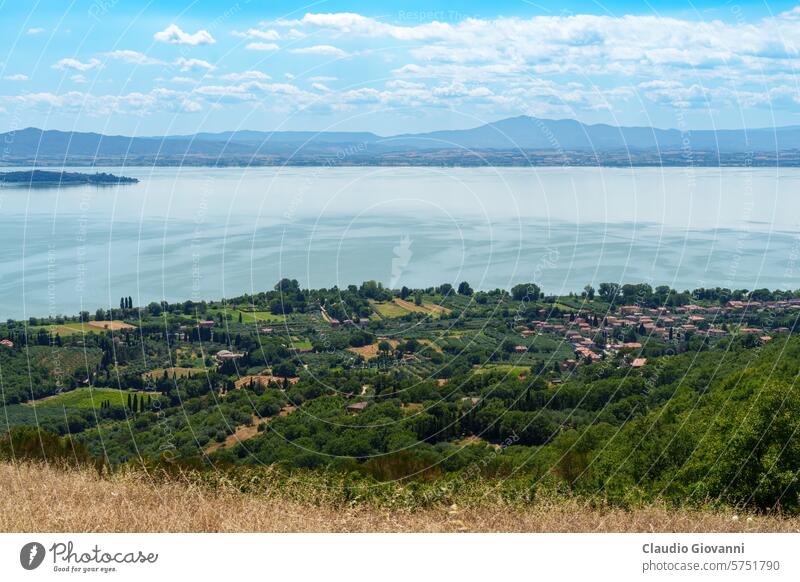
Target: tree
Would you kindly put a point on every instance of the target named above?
(589, 290)
(609, 291)
(464, 289)
(384, 347)
(287, 286)
(418, 299)
(129, 400)
(525, 291)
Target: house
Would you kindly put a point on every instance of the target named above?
(471, 400)
(638, 362)
(357, 406)
(205, 324)
(267, 330)
(7, 342)
(226, 355)
(334, 322)
(585, 352)
(520, 349)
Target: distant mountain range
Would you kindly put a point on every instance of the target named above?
(514, 141)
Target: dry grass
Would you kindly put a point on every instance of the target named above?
(110, 325)
(370, 351)
(42, 499)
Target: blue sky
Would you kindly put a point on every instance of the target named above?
(391, 67)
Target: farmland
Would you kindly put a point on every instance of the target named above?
(428, 384)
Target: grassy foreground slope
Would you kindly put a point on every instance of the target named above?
(48, 499)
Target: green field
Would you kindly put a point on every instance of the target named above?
(504, 368)
(85, 398)
(248, 315)
(25, 415)
(261, 317)
(389, 310)
(300, 344)
(178, 372)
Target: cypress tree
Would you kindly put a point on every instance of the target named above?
(129, 400)
(135, 402)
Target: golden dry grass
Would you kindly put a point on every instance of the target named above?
(38, 498)
(370, 351)
(110, 325)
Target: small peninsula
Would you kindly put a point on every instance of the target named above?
(47, 178)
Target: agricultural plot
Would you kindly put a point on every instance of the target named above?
(64, 360)
(400, 308)
(370, 351)
(74, 327)
(248, 315)
(25, 415)
(177, 372)
(507, 369)
(85, 398)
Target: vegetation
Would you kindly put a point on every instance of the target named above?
(621, 396)
(43, 177)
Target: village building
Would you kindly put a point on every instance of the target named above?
(357, 406)
(227, 355)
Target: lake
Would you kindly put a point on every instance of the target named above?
(202, 233)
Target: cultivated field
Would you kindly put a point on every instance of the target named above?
(86, 398)
(67, 329)
(44, 499)
(370, 351)
(110, 325)
(179, 372)
(400, 307)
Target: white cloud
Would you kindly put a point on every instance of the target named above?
(35, 30)
(256, 33)
(193, 64)
(78, 79)
(321, 87)
(262, 46)
(183, 80)
(246, 76)
(76, 65)
(225, 92)
(133, 57)
(174, 35)
(322, 79)
(358, 25)
(17, 77)
(325, 50)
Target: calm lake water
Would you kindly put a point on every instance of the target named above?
(200, 233)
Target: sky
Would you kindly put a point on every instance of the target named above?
(164, 68)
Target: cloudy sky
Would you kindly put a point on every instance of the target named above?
(166, 67)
